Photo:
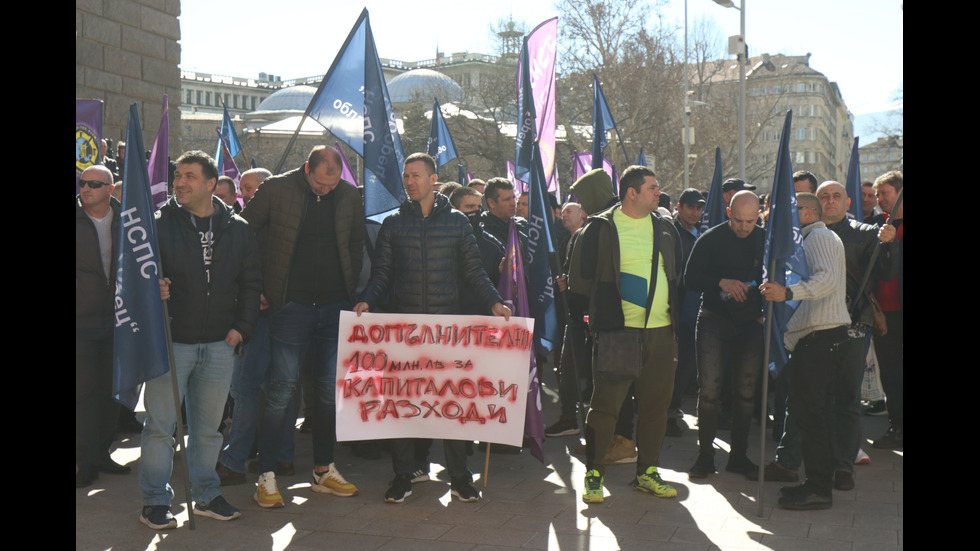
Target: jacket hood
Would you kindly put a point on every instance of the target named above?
(594, 190)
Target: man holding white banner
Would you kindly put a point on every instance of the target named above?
(425, 256)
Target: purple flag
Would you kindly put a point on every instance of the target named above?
(542, 46)
(582, 163)
(518, 185)
(513, 290)
(227, 167)
(88, 135)
(346, 173)
(159, 163)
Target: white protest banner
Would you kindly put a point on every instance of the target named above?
(429, 376)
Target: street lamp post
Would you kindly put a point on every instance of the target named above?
(736, 45)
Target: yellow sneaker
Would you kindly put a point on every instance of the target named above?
(651, 482)
(593, 487)
(267, 493)
(331, 482)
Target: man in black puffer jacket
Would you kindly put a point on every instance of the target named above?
(425, 257)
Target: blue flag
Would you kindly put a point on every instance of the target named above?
(853, 185)
(525, 119)
(139, 338)
(602, 120)
(339, 101)
(384, 157)
(513, 290)
(540, 248)
(231, 142)
(641, 159)
(714, 207)
(784, 260)
(440, 145)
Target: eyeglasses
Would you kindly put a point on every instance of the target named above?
(94, 184)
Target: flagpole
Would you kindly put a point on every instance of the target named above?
(486, 465)
(765, 398)
(871, 261)
(179, 416)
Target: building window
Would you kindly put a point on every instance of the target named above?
(198, 98)
(800, 157)
(801, 87)
(777, 89)
(801, 134)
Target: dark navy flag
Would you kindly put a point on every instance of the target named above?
(231, 143)
(602, 120)
(641, 159)
(339, 101)
(139, 339)
(384, 158)
(853, 185)
(513, 290)
(440, 145)
(525, 119)
(462, 175)
(540, 247)
(714, 207)
(783, 261)
(159, 163)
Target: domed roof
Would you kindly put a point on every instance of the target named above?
(425, 83)
(293, 98)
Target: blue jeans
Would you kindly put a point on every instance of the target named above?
(246, 389)
(720, 341)
(203, 377)
(293, 329)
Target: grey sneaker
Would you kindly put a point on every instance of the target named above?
(218, 508)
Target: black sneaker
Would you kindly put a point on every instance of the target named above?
(217, 508)
(741, 465)
(401, 487)
(562, 427)
(893, 438)
(674, 427)
(843, 480)
(704, 466)
(464, 491)
(158, 517)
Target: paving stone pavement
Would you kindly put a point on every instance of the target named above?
(525, 505)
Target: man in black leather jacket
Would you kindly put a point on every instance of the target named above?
(425, 256)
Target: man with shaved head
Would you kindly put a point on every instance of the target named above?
(818, 338)
(726, 267)
(96, 224)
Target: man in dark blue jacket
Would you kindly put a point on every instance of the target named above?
(425, 256)
(212, 280)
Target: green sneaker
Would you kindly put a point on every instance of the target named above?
(593, 487)
(651, 482)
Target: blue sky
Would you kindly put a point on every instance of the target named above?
(858, 44)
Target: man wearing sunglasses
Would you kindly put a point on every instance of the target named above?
(96, 222)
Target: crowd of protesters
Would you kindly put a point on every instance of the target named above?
(258, 272)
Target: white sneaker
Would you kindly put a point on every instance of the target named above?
(332, 482)
(862, 458)
(267, 492)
